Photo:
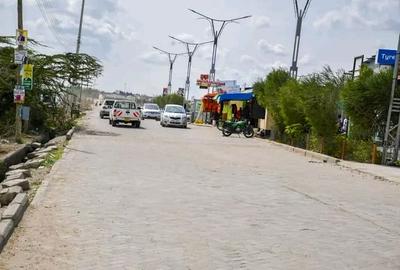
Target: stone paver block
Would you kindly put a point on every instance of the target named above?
(55, 141)
(14, 212)
(37, 155)
(15, 176)
(32, 164)
(36, 145)
(32, 155)
(47, 150)
(23, 183)
(27, 173)
(17, 167)
(8, 194)
(6, 229)
(21, 198)
(204, 207)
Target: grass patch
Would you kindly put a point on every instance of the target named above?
(53, 157)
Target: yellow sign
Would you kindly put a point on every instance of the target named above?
(28, 71)
(27, 76)
(22, 37)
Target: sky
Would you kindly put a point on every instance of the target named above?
(122, 33)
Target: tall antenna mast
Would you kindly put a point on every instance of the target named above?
(300, 15)
(172, 58)
(191, 48)
(217, 31)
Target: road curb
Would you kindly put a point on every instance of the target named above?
(332, 160)
(16, 209)
(307, 153)
(375, 176)
(70, 133)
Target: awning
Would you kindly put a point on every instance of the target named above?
(244, 96)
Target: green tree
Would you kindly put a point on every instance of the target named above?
(321, 100)
(267, 94)
(292, 110)
(161, 101)
(53, 79)
(366, 100)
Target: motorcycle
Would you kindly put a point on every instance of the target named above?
(237, 127)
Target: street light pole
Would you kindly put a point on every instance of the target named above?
(191, 49)
(217, 31)
(172, 58)
(300, 14)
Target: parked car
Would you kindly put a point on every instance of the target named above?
(174, 115)
(151, 111)
(125, 112)
(106, 108)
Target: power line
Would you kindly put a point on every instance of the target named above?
(53, 22)
(42, 7)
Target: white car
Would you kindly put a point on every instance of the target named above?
(125, 112)
(174, 115)
(106, 108)
(151, 111)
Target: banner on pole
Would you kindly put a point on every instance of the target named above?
(165, 91)
(22, 37)
(19, 94)
(20, 57)
(25, 113)
(181, 92)
(27, 76)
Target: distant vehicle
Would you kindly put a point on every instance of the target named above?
(125, 112)
(174, 115)
(106, 108)
(151, 111)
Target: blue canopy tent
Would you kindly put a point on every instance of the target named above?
(243, 96)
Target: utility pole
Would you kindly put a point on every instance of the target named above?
(392, 131)
(18, 121)
(78, 43)
(191, 48)
(78, 46)
(172, 58)
(217, 31)
(300, 14)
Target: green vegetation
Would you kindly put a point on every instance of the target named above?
(306, 112)
(161, 101)
(53, 157)
(366, 101)
(55, 88)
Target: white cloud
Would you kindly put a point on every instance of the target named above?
(362, 14)
(275, 65)
(154, 58)
(185, 37)
(247, 60)
(266, 47)
(305, 60)
(261, 22)
(230, 74)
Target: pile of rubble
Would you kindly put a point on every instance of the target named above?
(14, 189)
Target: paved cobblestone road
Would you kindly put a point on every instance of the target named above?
(158, 198)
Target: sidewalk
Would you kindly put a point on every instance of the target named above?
(391, 174)
(380, 172)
